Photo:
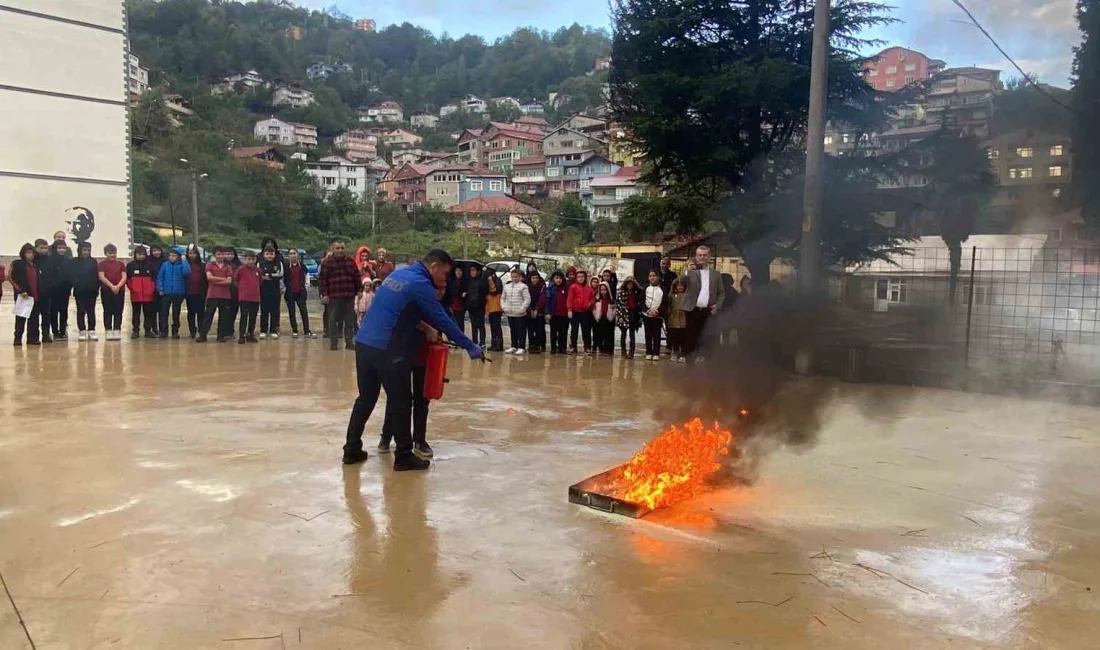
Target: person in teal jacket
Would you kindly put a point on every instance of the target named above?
(172, 287)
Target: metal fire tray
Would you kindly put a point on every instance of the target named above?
(586, 493)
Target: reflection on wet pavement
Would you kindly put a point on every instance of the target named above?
(179, 496)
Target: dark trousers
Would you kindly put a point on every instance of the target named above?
(676, 336)
(696, 321)
(247, 325)
(517, 328)
(477, 327)
(496, 332)
(28, 325)
(630, 331)
(41, 320)
(158, 300)
(112, 308)
(536, 333)
(582, 321)
(146, 309)
(85, 310)
(419, 410)
(603, 336)
(341, 318)
(297, 300)
(234, 309)
(269, 307)
(196, 312)
(559, 331)
(225, 320)
(170, 303)
(653, 335)
(376, 370)
(324, 320)
(460, 318)
(59, 311)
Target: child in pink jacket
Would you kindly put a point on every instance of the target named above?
(362, 301)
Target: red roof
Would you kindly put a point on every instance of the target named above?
(532, 136)
(493, 204)
(628, 172)
(530, 160)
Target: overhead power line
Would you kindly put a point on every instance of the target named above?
(1027, 78)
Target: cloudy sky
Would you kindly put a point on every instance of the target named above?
(1039, 34)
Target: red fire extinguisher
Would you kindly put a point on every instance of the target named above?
(435, 373)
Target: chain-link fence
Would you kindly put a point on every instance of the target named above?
(1026, 312)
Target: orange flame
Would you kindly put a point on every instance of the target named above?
(674, 466)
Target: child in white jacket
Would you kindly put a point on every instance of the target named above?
(515, 299)
(654, 301)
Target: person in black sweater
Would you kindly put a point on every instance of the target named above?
(49, 271)
(59, 261)
(83, 276)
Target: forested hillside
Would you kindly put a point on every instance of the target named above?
(190, 42)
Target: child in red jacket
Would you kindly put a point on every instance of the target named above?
(142, 284)
(580, 301)
(247, 279)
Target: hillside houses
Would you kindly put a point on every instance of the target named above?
(292, 95)
(387, 112)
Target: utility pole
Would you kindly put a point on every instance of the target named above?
(465, 250)
(195, 207)
(810, 263)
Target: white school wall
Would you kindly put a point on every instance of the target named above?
(63, 121)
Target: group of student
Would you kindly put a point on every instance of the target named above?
(582, 313)
(159, 283)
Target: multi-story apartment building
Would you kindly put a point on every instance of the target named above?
(473, 104)
(609, 194)
(291, 134)
(333, 172)
(137, 77)
(388, 112)
(962, 98)
(292, 95)
(401, 138)
(896, 67)
(410, 186)
(242, 81)
(571, 171)
(565, 138)
(358, 144)
(424, 121)
(529, 176)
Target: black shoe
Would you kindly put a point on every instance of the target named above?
(48, 339)
(383, 445)
(252, 339)
(353, 457)
(18, 344)
(349, 346)
(241, 341)
(61, 337)
(334, 346)
(164, 335)
(410, 463)
(135, 334)
(199, 338)
(176, 336)
(34, 343)
(223, 339)
(422, 450)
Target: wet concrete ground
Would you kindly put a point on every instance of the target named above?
(170, 495)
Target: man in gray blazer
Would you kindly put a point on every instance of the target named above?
(704, 296)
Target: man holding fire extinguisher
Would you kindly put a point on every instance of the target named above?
(385, 348)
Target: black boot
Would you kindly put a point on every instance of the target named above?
(408, 462)
(353, 457)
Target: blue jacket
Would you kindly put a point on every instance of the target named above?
(404, 299)
(172, 278)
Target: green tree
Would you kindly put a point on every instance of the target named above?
(717, 95)
(1086, 107)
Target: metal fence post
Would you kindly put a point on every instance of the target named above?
(970, 301)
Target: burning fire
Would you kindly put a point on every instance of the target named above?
(674, 466)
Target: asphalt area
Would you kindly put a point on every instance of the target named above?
(161, 494)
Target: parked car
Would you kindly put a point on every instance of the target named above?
(503, 268)
(311, 264)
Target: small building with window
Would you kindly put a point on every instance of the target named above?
(333, 172)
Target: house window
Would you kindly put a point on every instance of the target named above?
(873, 72)
(442, 191)
(891, 69)
(330, 180)
(897, 291)
(1057, 150)
(994, 154)
(1025, 152)
(475, 186)
(890, 83)
(1056, 192)
(1055, 171)
(846, 138)
(909, 67)
(353, 182)
(909, 80)
(828, 139)
(1055, 234)
(496, 186)
(1021, 172)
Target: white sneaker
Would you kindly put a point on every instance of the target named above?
(510, 351)
(274, 335)
(92, 336)
(81, 336)
(263, 335)
(682, 359)
(520, 351)
(294, 335)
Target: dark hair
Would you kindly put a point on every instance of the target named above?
(41, 242)
(110, 248)
(249, 254)
(155, 247)
(438, 255)
(23, 250)
(269, 247)
(195, 249)
(86, 245)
